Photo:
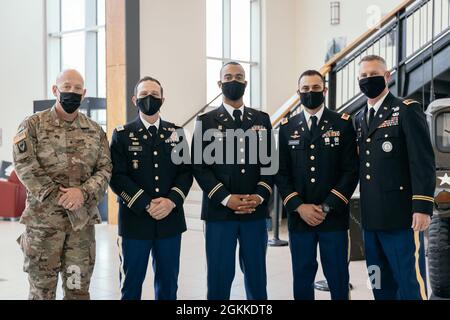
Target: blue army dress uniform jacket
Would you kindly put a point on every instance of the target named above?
(318, 168)
(143, 170)
(397, 176)
(242, 176)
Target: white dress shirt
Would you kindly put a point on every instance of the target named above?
(147, 125)
(309, 115)
(231, 109)
(375, 107)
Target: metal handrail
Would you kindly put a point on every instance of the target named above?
(327, 68)
(201, 110)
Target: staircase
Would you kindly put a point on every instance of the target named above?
(416, 50)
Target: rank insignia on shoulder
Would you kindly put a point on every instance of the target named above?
(285, 120)
(345, 116)
(120, 128)
(20, 137)
(409, 101)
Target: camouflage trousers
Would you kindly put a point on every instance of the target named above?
(50, 252)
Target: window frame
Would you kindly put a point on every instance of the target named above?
(55, 35)
(255, 78)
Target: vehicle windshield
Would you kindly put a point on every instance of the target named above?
(443, 132)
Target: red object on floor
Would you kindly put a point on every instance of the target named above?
(12, 197)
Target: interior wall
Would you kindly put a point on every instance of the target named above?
(22, 65)
(173, 50)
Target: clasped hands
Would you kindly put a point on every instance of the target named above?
(244, 204)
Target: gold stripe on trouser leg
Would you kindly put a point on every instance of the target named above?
(348, 259)
(122, 272)
(423, 293)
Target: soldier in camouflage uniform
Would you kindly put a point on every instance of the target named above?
(62, 158)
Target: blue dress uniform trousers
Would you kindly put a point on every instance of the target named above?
(396, 264)
(334, 253)
(134, 256)
(221, 240)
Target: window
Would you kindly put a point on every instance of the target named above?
(233, 33)
(76, 39)
(443, 132)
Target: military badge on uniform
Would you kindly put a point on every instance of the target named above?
(389, 123)
(258, 128)
(20, 136)
(174, 138)
(331, 134)
(387, 147)
(336, 141)
(19, 141)
(22, 146)
(294, 142)
(135, 164)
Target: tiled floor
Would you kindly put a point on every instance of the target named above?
(192, 280)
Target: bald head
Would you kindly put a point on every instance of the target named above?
(69, 80)
(70, 75)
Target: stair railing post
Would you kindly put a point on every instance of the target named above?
(276, 242)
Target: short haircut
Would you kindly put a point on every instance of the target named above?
(147, 78)
(309, 73)
(232, 63)
(373, 57)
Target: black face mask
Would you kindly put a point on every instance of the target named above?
(233, 90)
(372, 87)
(149, 105)
(312, 99)
(70, 101)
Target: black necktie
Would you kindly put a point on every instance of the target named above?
(371, 116)
(313, 125)
(152, 130)
(237, 114)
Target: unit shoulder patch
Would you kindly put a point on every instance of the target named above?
(345, 116)
(20, 136)
(284, 121)
(120, 128)
(409, 101)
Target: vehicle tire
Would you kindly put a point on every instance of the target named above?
(439, 256)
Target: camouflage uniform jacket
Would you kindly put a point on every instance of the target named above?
(50, 153)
